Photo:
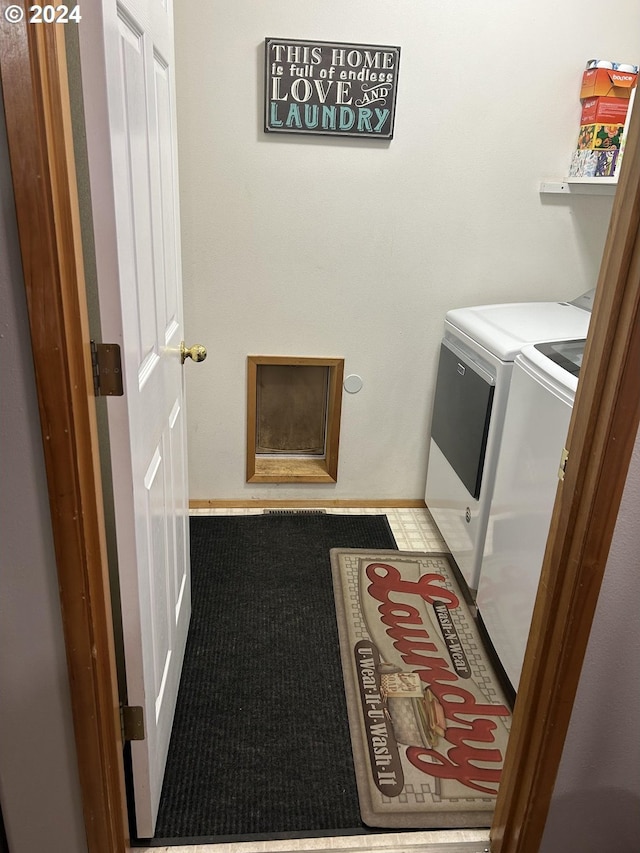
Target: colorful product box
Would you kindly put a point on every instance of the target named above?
(607, 82)
(600, 136)
(591, 163)
(583, 164)
(607, 162)
(604, 110)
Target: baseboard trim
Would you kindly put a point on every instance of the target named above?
(397, 503)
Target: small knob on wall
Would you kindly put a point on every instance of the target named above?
(196, 353)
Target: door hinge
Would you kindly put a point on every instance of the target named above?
(107, 370)
(563, 463)
(132, 722)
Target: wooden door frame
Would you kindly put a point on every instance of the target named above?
(602, 432)
(36, 99)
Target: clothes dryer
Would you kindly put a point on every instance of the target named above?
(474, 373)
(543, 387)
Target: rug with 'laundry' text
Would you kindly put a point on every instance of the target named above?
(428, 719)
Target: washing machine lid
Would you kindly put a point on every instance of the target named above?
(505, 328)
(555, 364)
(566, 354)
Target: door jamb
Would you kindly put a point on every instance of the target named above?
(602, 433)
(603, 428)
(34, 81)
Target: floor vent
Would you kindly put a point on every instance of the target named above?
(294, 511)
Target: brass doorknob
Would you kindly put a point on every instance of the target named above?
(197, 352)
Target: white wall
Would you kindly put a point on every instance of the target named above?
(39, 786)
(353, 248)
(596, 800)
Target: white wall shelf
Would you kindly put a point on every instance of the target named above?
(579, 186)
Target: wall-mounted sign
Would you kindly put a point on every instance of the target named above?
(330, 88)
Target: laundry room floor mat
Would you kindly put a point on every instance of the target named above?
(260, 741)
(429, 721)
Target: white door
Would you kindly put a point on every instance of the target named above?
(128, 85)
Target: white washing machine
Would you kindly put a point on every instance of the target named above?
(543, 387)
(472, 388)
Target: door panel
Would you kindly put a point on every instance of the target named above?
(461, 414)
(136, 219)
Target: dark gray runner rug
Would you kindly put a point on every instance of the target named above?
(260, 742)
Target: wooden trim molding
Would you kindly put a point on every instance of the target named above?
(34, 81)
(602, 433)
(299, 469)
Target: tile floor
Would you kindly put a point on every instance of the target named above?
(441, 841)
(414, 530)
